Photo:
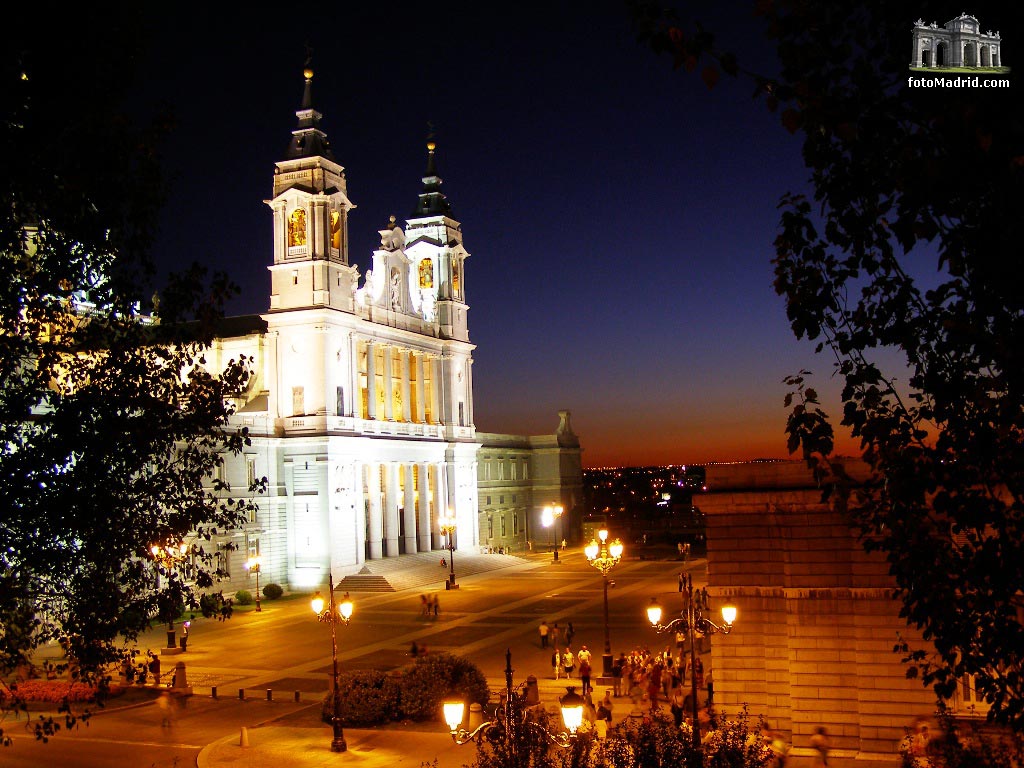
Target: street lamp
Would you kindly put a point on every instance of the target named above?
(447, 526)
(511, 717)
(332, 614)
(548, 518)
(253, 566)
(165, 556)
(604, 557)
(692, 618)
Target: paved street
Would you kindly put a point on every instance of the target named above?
(285, 649)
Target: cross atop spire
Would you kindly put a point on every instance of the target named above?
(307, 139)
(432, 200)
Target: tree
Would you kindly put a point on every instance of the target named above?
(905, 176)
(110, 422)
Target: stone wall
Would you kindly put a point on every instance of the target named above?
(813, 644)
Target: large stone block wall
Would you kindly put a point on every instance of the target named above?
(813, 644)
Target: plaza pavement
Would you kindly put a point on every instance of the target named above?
(273, 745)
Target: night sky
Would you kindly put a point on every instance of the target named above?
(620, 215)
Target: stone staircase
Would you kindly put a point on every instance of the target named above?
(421, 570)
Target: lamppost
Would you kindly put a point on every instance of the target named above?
(604, 557)
(253, 566)
(510, 718)
(447, 526)
(692, 618)
(548, 518)
(165, 556)
(330, 614)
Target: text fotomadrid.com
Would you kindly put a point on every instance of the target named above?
(957, 82)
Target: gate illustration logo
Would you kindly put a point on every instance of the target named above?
(957, 44)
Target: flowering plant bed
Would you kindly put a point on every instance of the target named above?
(54, 692)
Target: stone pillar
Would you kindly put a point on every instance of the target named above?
(391, 527)
(388, 386)
(376, 514)
(437, 508)
(406, 405)
(424, 490)
(420, 389)
(409, 513)
(371, 380)
(469, 392)
(437, 400)
(360, 511)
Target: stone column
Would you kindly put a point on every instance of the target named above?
(391, 527)
(420, 389)
(437, 508)
(406, 405)
(409, 514)
(469, 392)
(437, 399)
(376, 514)
(424, 490)
(371, 380)
(388, 404)
(359, 503)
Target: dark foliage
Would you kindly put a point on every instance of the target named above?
(910, 246)
(366, 697)
(272, 591)
(439, 677)
(110, 421)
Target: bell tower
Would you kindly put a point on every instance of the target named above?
(432, 226)
(310, 206)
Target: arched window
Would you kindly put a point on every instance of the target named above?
(426, 274)
(336, 230)
(297, 228)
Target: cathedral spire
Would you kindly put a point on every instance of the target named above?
(307, 139)
(432, 200)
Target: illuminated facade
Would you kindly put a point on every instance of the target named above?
(361, 407)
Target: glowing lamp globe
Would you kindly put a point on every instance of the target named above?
(572, 710)
(317, 603)
(728, 614)
(654, 612)
(454, 711)
(345, 608)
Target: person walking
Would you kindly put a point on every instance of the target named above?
(436, 605)
(583, 655)
(821, 746)
(676, 703)
(585, 676)
(544, 629)
(568, 662)
(570, 633)
(556, 663)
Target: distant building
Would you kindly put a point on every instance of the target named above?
(958, 43)
(813, 645)
(361, 407)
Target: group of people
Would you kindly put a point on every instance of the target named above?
(429, 605)
(560, 636)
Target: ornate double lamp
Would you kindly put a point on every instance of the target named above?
(511, 717)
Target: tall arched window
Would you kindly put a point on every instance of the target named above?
(335, 230)
(297, 227)
(426, 274)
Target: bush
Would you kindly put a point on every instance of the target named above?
(436, 678)
(56, 692)
(368, 697)
(243, 597)
(272, 591)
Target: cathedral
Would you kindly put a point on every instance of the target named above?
(360, 409)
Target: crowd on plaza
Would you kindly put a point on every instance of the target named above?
(650, 679)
